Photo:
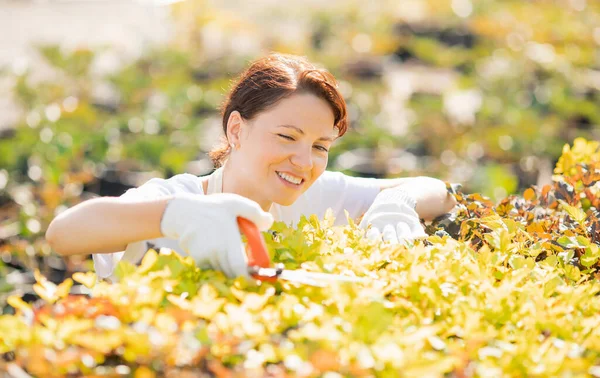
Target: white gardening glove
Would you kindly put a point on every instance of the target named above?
(206, 228)
(392, 217)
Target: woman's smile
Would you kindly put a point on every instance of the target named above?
(289, 180)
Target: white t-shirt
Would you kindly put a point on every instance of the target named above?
(333, 190)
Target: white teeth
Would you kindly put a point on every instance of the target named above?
(289, 178)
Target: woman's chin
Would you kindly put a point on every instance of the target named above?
(284, 194)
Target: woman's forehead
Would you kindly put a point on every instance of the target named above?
(306, 112)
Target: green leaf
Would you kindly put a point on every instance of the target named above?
(591, 255)
(371, 321)
(577, 214)
(124, 269)
(572, 242)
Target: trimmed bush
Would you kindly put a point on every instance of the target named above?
(496, 289)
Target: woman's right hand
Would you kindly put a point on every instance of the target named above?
(206, 228)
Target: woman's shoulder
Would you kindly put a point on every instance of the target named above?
(334, 180)
(180, 183)
(338, 188)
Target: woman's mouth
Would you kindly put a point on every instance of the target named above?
(289, 180)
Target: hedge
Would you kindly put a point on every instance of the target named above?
(506, 289)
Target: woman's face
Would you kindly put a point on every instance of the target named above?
(287, 142)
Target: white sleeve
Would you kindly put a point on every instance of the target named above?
(342, 192)
(105, 263)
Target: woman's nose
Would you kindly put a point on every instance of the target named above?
(302, 158)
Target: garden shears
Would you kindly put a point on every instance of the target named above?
(259, 263)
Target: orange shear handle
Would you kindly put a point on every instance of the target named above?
(257, 253)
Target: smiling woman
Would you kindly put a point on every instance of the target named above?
(279, 122)
(281, 151)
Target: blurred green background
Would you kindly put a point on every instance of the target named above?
(483, 92)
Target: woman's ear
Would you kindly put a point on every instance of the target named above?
(234, 128)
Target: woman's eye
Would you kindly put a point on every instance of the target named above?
(320, 148)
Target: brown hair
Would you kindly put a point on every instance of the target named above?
(271, 79)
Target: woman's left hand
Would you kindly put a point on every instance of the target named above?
(392, 217)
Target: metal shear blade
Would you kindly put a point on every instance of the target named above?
(303, 276)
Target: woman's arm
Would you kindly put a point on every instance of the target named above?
(430, 193)
(356, 194)
(105, 225)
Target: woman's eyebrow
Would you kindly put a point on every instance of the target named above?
(299, 130)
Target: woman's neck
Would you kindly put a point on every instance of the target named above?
(232, 183)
